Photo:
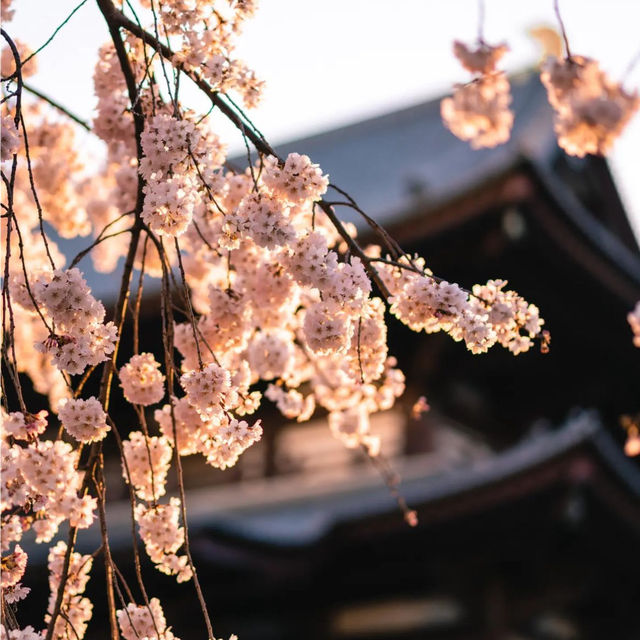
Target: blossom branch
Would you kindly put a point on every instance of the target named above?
(262, 146)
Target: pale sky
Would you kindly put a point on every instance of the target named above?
(334, 62)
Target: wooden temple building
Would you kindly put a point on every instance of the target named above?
(529, 511)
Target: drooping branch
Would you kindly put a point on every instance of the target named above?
(95, 457)
(110, 14)
(168, 348)
(56, 105)
(8, 337)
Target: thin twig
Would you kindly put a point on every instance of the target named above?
(35, 193)
(100, 486)
(392, 480)
(56, 105)
(556, 8)
(55, 33)
(481, 21)
(168, 344)
(138, 301)
(630, 67)
(187, 297)
(134, 537)
(100, 238)
(9, 337)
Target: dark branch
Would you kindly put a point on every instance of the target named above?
(58, 106)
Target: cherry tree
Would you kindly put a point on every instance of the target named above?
(261, 283)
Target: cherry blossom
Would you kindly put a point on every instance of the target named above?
(590, 109)
(85, 420)
(141, 380)
(479, 111)
(140, 621)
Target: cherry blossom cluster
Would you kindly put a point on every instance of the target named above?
(291, 403)
(163, 536)
(515, 322)
(233, 438)
(176, 153)
(56, 169)
(204, 35)
(41, 480)
(55, 173)
(192, 428)
(113, 122)
(13, 568)
(350, 402)
(144, 621)
(264, 219)
(76, 608)
(24, 426)
(40, 488)
(141, 380)
(481, 318)
(79, 338)
(84, 420)
(10, 138)
(633, 317)
(212, 393)
(590, 109)
(479, 110)
(146, 464)
(297, 181)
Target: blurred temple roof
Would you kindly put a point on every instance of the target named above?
(405, 160)
(386, 162)
(299, 510)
